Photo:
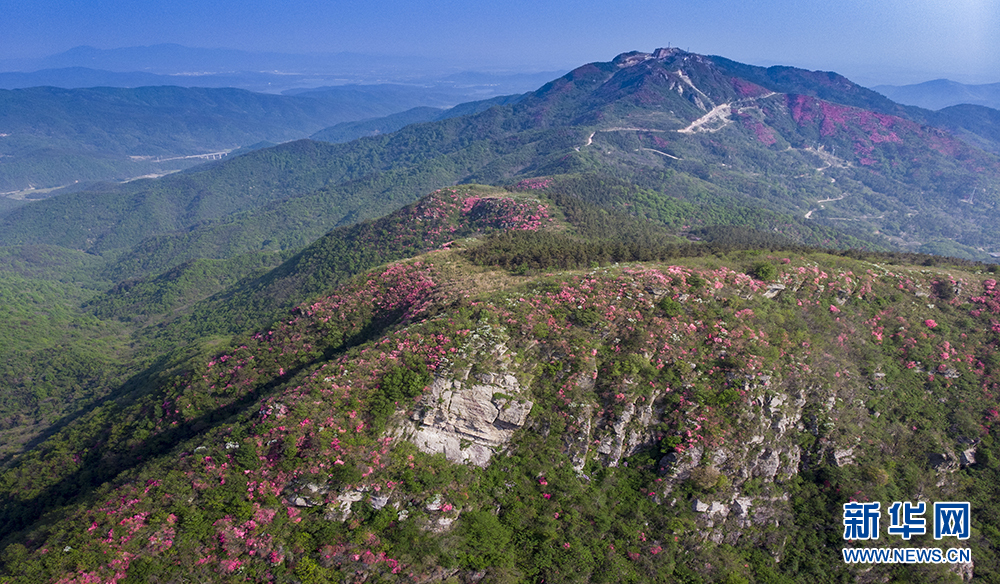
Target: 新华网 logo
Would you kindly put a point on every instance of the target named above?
(862, 522)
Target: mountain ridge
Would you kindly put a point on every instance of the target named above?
(534, 108)
(613, 406)
(938, 94)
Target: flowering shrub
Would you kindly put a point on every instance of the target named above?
(533, 183)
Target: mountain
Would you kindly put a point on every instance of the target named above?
(620, 405)
(86, 77)
(401, 97)
(52, 137)
(975, 124)
(941, 93)
(169, 58)
(811, 148)
(80, 77)
(672, 337)
(171, 64)
(347, 131)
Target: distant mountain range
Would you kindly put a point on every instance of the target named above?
(64, 139)
(51, 137)
(169, 59)
(265, 72)
(941, 93)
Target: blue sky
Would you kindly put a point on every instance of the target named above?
(871, 41)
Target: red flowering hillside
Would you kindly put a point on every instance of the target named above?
(668, 404)
(434, 222)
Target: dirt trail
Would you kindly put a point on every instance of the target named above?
(663, 153)
(821, 206)
(590, 138)
(719, 112)
(829, 161)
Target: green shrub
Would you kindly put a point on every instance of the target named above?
(403, 382)
(764, 271)
(670, 307)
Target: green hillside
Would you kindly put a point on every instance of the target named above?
(53, 137)
(697, 135)
(657, 321)
(699, 417)
(347, 131)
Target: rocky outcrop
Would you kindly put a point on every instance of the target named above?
(340, 509)
(305, 494)
(613, 444)
(468, 421)
(768, 453)
(964, 570)
(578, 443)
(773, 290)
(943, 461)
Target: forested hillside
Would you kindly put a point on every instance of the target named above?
(53, 137)
(730, 141)
(700, 415)
(658, 320)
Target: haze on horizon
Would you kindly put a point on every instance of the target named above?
(890, 42)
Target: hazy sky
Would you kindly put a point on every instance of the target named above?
(871, 41)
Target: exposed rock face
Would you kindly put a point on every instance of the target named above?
(578, 443)
(678, 466)
(943, 461)
(469, 421)
(843, 457)
(741, 506)
(964, 570)
(305, 494)
(340, 509)
(613, 444)
(773, 290)
(621, 435)
(768, 453)
(713, 508)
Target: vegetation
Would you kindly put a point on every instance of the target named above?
(56, 137)
(55, 359)
(206, 457)
(822, 173)
(676, 363)
(204, 466)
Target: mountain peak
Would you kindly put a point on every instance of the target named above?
(635, 57)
